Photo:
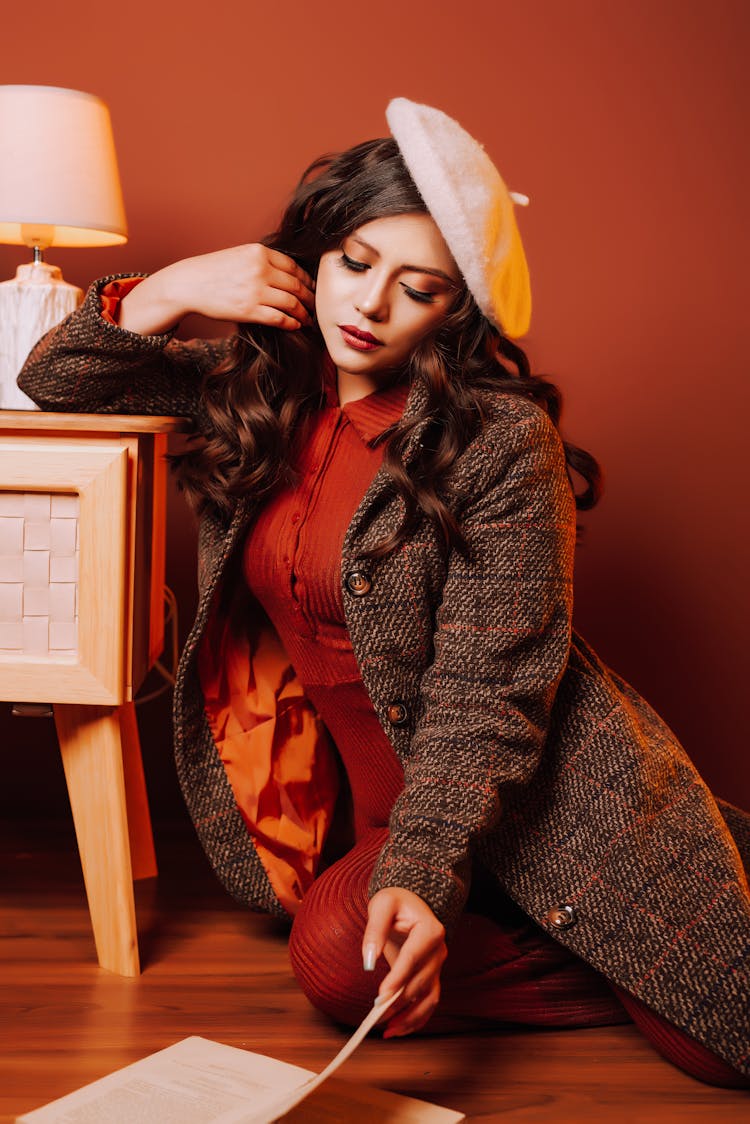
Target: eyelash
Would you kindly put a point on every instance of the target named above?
(350, 263)
(360, 267)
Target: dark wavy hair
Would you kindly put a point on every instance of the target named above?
(259, 397)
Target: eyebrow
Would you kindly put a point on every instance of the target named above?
(407, 268)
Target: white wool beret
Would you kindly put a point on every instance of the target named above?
(465, 194)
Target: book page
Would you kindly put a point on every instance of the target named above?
(288, 1101)
(197, 1081)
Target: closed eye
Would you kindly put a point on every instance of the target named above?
(351, 263)
(418, 295)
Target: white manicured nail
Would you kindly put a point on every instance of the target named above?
(369, 957)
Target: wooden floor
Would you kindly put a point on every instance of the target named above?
(213, 969)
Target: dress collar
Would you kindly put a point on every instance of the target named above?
(372, 415)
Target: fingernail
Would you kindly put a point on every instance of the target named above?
(369, 957)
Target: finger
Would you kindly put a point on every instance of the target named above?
(275, 318)
(286, 302)
(418, 990)
(414, 1015)
(414, 955)
(381, 912)
(286, 264)
(289, 283)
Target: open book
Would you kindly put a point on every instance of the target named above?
(197, 1081)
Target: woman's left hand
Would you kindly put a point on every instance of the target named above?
(403, 928)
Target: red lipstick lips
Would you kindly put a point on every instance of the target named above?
(359, 340)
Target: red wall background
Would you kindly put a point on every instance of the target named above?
(626, 124)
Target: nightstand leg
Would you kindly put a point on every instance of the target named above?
(142, 854)
(92, 753)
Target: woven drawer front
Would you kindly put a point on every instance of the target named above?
(39, 549)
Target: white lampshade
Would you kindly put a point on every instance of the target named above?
(58, 169)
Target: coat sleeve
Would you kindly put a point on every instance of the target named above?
(501, 643)
(87, 365)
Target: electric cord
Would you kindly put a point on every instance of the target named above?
(168, 670)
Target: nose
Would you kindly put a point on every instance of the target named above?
(373, 300)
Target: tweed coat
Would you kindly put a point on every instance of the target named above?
(522, 751)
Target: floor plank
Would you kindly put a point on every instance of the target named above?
(214, 969)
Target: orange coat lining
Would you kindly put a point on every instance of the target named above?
(276, 751)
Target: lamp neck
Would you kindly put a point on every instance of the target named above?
(37, 236)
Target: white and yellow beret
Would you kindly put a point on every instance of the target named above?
(466, 196)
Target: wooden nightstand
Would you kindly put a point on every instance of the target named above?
(82, 544)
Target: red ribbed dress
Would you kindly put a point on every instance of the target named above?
(292, 564)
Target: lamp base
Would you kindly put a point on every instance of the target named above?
(31, 303)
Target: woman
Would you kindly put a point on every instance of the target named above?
(385, 727)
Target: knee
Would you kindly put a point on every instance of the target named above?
(325, 948)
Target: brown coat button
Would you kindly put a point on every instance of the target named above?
(561, 916)
(358, 583)
(398, 714)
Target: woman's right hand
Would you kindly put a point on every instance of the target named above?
(251, 284)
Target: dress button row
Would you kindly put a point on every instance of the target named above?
(398, 713)
(561, 916)
(358, 583)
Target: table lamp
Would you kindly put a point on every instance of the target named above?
(59, 186)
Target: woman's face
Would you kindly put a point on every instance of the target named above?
(390, 283)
